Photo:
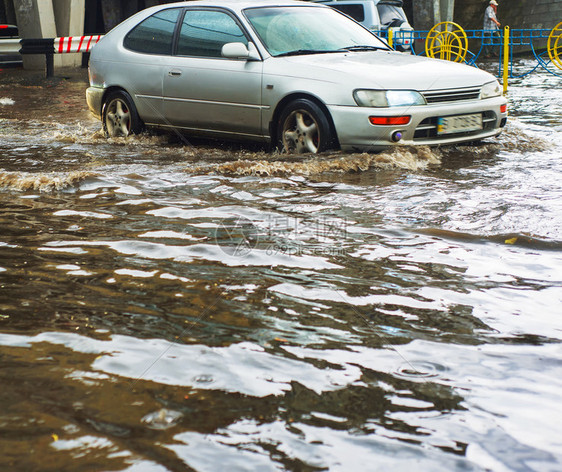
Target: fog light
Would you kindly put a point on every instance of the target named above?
(396, 136)
(390, 120)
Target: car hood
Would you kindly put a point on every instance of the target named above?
(385, 70)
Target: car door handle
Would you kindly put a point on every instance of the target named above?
(174, 73)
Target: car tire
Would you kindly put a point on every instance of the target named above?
(303, 127)
(119, 115)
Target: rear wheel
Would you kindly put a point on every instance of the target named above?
(304, 128)
(119, 116)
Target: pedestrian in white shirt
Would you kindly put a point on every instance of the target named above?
(491, 28)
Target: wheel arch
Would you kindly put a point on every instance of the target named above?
(136, 123)
(108, 91)
(295, 96)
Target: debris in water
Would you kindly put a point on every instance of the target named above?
(162, 419)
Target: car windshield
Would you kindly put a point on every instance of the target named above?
(309, 30)
(391, 15)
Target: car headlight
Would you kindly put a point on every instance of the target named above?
(490, 90)
(388, 98)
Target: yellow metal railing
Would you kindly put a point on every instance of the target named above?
(554, 45)
(447, 40)
(505, 58)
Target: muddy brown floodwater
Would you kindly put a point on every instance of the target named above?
(171, 305)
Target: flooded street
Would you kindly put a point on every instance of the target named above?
(172, 305)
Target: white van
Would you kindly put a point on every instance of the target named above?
(12, 59)
(380, 16)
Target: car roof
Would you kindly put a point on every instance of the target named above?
(242, 4)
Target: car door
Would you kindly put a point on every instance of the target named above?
(149, 46)
(203, 90)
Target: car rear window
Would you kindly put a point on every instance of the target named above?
(356, 11)
(154, 35)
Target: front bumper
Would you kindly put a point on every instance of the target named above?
(355, 132)
(94, 97)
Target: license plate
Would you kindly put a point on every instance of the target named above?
(459, 124)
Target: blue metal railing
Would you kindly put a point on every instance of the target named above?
(528, 41)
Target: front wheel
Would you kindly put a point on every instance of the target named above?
(304, 128)
(119, 116)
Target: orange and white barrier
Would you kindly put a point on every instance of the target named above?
(72, 44)
(49, 47)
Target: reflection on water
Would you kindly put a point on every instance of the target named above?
(166, 306)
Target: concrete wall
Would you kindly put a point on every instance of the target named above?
(424, 15)
(518, 14)
(35, 19)
(50, 19)
(69, 19)
(427, 13)
(7, 13)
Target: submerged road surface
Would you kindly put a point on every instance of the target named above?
(168, 305)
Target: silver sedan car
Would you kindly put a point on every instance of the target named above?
(300, 76)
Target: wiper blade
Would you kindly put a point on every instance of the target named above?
(364, 48)
(303, 52)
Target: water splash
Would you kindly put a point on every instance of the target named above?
(410, 158)
(516, 139)
(6, 101)
(78, 134)
(42, 182)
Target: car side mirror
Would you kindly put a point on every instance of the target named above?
(240, 51)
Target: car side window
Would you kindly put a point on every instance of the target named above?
(154, 35)
(204, 33)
